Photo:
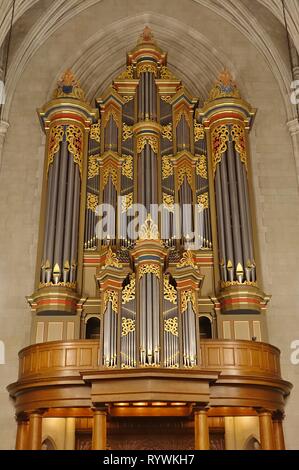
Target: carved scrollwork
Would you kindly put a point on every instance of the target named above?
(203, 201)
(220, 137)
(95, 132)
(149, 230)
(127, 326)
(201, 167)
(171, 326)
(187, 260)
(110, 171)
(170, 292)
(127, 74)
(93, 166)
(92, 202)
(151, 140)
(185, 171)
(168, 202)
(55, 138)
(167, 167)
(74, 137)
(149, 269)
(112, 259)
(199, 132)
(166, 74)
(126, 202)
(167, 132)
(127, 132)
(111, 296)
(238, 136)
(186, 297)
(129, 291)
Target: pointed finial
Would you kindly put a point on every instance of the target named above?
(225, 86)
(69, 86)
(147, 36)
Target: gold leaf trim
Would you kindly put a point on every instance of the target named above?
(129, 291)
(74, 137)
(166, 74)
(126, 202)
(127, 326)
(171, 326)
(112, 259)
(127, 132)
(199, 131)
(220, 137)
(170, 292)
(110, 171)
(111, 296)
(55, 138)
(183, 171)
(238, 136)
(201, 167)
(149, 269)
(168, 202)
(152, 141)
(203, 201)
(127, 74)
(92, 202)
(167, 132)
(127, 166)
(167, 167)
(93, 166)
(187, 260)
(95, 132)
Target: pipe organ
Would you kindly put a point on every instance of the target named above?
(147, 222)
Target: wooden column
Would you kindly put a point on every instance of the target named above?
(70, 432)
(35, 431)
(266, 430)
(201, 429)
(22, 434)
(99, 431)
(278, 431)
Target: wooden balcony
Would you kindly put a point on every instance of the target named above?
(231, 373)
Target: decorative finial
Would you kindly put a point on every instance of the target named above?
(149, 230)
(224, 87)
(68, 86)
(146, 36)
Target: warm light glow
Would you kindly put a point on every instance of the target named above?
(121, 404)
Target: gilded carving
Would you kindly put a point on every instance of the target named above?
(199, 132)
(129, 291)
(93, 166)
(184, 171)
(55, 138)
(183, 112)
(167, 167)
(127, 74)
(166, 74)
(126, 202)
(186, 297)
(149, 230)
(203, 201)
(127, 166)
(151, 140)
(128, 98)
(111, 112)
(149, 269)
(127, 326)
(201, 167)
(238, 136)
(74, 137)
(142, 68)
(168, 202)
(112, 260)
(171, 326)
(187, 260)
(92, 202)
(127, 132)
(68, 285)
(224, 87)
(170, 292)
(225, 284)
(95, 132)
(69, 87)
(220, 137)
(166, 98)
(167, 132)
(110, 171)
(111, 296)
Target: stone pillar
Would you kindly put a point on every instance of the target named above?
(266, 430)
(293, 127)
(22, 434)
(99, 431)
(201, 429)
(70, 431)
(35, 431)
(278, 431)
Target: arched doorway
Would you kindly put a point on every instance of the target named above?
(205, 328)
(93, 328)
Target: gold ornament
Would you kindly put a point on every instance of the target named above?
(220, 137)
(166, 74)
(201, 167)
(167, 167)
(110, 171)
(127, 74)
(126, 202)
(142, 68)
(186, 297)
(168, 202)
(129, 293)
(149, 230)
(166, 98)
(199, 132)
(68, 285)
(187, 260)
(150, 140)
(111, 296)
(225, 284)
(170, 292)
(171, 326)
(93, 166)
(111, 112)
(127, 326)
(127, 132)
(184, 171)
(149, 269)
(128, 98)
(92, 202)
(167, 132)
(238, 135)
(69, 87)
(203, 201)
(95, 132)
(55, 138)
(224, 87)
(74, 137)
(183, 112)
(112, 260)
(127, 166)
